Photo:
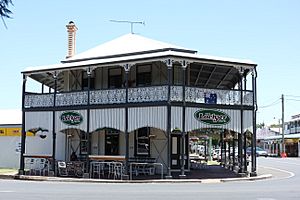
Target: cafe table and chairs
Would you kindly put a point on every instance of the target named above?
(70, 169)
(144, 168)
(106, 166)
(37, 164)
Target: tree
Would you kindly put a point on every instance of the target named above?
(261, 125)
(4, 11)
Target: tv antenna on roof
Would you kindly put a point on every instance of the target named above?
(129, 22)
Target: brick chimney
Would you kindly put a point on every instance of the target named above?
(71, 28)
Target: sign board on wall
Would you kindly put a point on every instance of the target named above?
(71, 118)
(2, 131)
(212, 117)
(13, 132)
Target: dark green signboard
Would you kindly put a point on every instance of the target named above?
(71, 118)
(212, 117)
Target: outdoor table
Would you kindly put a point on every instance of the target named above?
(113, 169)
(39, 164)
(198, 158)
(47, 156)
(198, 162)
(143, 165)
(106, 158)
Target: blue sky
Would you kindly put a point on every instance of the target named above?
(266, 32)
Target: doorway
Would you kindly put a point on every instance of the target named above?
(112, 142)
(176, 151)
(72, 142)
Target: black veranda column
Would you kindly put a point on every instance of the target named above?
(88, 118)
(253, 141)
(245, 132)
(169, 65)
(23, 136)
(184, 65)
(127, 68)
(53, 123)
(240, 135)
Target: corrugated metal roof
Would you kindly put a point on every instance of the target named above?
(132, 47)
(126, 44)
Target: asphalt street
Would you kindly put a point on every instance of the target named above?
(284, 185)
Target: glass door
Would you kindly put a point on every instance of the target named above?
(175, 151)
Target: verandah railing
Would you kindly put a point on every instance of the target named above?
(140, 95)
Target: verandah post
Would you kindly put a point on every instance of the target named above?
(127, 69)
(23, 136)
(53, 122)
(169, 65)
(184, 66)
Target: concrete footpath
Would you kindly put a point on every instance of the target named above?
(261, 176)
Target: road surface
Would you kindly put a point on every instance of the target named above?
(284, 185)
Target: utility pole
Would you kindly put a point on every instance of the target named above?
(282, 120)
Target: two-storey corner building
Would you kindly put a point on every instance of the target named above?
(138, 99)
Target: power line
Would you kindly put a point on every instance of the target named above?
(272, 104)
(293, 99)
(294, 96)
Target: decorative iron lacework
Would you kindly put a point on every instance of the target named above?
(248, 98)
(176, 93)
(148, 94)
(114, 96)
(38, 100)
(138, 95)
(72, 98)
(225, 97)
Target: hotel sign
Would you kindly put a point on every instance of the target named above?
(71, 118)
(212, 117)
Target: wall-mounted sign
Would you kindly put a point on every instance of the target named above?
(212, 117)
(210, 98)
(71, 118)
(39, 131)
(2, 131)
(13, 131)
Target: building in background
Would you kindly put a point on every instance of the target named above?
(272, 142)
(10, 138)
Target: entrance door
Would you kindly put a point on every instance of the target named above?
(175, 151)
(72, 142)
(112, 142)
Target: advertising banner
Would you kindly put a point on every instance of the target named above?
(13, 131)
(2, 131)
